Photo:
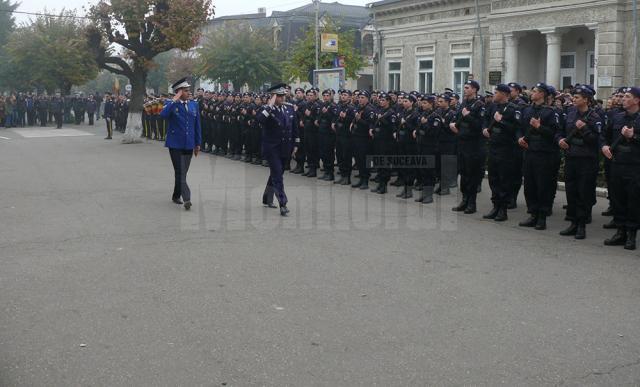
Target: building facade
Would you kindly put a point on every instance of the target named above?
(434, 44)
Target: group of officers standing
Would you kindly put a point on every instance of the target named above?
(519, 138)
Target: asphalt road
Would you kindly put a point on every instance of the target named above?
(105, 282)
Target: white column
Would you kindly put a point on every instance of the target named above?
(510, 58)
(594, 27)
(554, 42)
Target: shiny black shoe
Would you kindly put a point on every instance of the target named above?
(618, 239)
(501, 216)
(492, 214)
(284, 211)
(187, 205)
(176, 200)
(530, 222)
(571, 230)
(630, 244)
(462, 206)
(581, 232)
(471, 208)
(541, 223)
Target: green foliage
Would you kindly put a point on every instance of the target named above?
(140, 30)
(7, 21)
(104, 82)
(51, 53)
(302, 58)
(239, 54)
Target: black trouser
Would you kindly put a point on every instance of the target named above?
(78, 116)
(407, 175)
(58, 118)
(43, 118)
(427, 173)
(447, 163)
(21, 120)
(344, 154)
(327, 145)
(383, 147)
(539, 170)
(91, 115)
(625, 196)
(361, 149)
(236, 138)
(311, 148)
(580, 175)
(471, 159)
(31, 117)
(502, 168)
(109, 122)
(181, 159)
(301, 152)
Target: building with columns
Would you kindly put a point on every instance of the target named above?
(428, 45)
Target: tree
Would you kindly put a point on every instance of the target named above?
(157, 77)
(142, 29)
(302, 58)
(51, 53)
(240, 55)
(7, 25)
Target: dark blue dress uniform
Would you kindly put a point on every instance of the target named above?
(279, 136)
(625, 175)
(184, 133)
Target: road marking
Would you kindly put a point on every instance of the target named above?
(42, 133)
(5, 138)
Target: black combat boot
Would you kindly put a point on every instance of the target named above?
(541, 223)
(298, 169)
(608, 212)
(530, 222)
(462, 206)
(630, 244)
(618, 239)
(312, 172)
(471, 206)
(427, 194)
(571, 230)
(581, 231)
(493, 213)
(501, 216)
(383, 188)
(347, 180)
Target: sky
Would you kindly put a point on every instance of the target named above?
(222, 8)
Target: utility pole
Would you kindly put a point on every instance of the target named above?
(634, 78)
(317, 4)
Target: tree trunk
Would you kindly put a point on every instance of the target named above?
(138, 89)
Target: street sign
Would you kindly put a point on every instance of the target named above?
(495, 77)
(329, 43)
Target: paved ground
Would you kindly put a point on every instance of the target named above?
(105, 282)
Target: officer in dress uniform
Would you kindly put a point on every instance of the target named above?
(471, 146)
(109, 111)
(326, 136)
(427, 134)
(279, 139)
(580, 140)
(184, 136)
(541, 124)
(363, 120)
(501, 127)
(622, 147)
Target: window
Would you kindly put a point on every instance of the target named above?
(461, 70)
(567, 61)
(425, 75)
(394, 75)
